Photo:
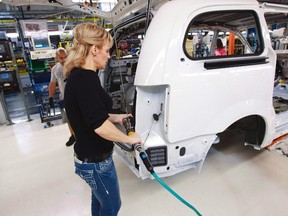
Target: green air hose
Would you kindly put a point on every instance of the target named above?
(150, 168)
(148, 165)
(175, 194)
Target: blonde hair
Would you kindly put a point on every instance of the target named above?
(85, 36)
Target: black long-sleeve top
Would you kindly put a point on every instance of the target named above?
(87, 106)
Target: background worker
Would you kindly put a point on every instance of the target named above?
(220, 48)
(88, 109)
(57, 77)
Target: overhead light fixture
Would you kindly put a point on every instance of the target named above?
(95, 1)
(54, 1)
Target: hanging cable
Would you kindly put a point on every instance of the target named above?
(148, 9)
(120, 71)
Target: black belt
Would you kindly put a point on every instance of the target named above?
(94, 159)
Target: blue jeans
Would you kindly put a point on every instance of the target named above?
(103, 181)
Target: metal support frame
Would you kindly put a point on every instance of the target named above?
(5, 109)
(19, 82)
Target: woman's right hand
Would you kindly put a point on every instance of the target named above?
(135, 139)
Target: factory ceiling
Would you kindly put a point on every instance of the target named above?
(70, 12)
(54, 13)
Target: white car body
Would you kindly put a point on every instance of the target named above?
(196, 103)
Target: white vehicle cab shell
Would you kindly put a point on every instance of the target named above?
(202, 101)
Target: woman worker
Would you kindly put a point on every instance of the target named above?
(220, 48)
(87, 106)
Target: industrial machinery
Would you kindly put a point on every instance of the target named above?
(8, 79)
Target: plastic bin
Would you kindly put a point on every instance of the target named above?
(37, 65)
(41, 88)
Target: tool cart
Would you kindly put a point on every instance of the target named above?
(40, 73)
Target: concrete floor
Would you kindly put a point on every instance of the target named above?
(37, 179)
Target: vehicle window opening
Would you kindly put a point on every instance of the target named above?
(237, 33)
